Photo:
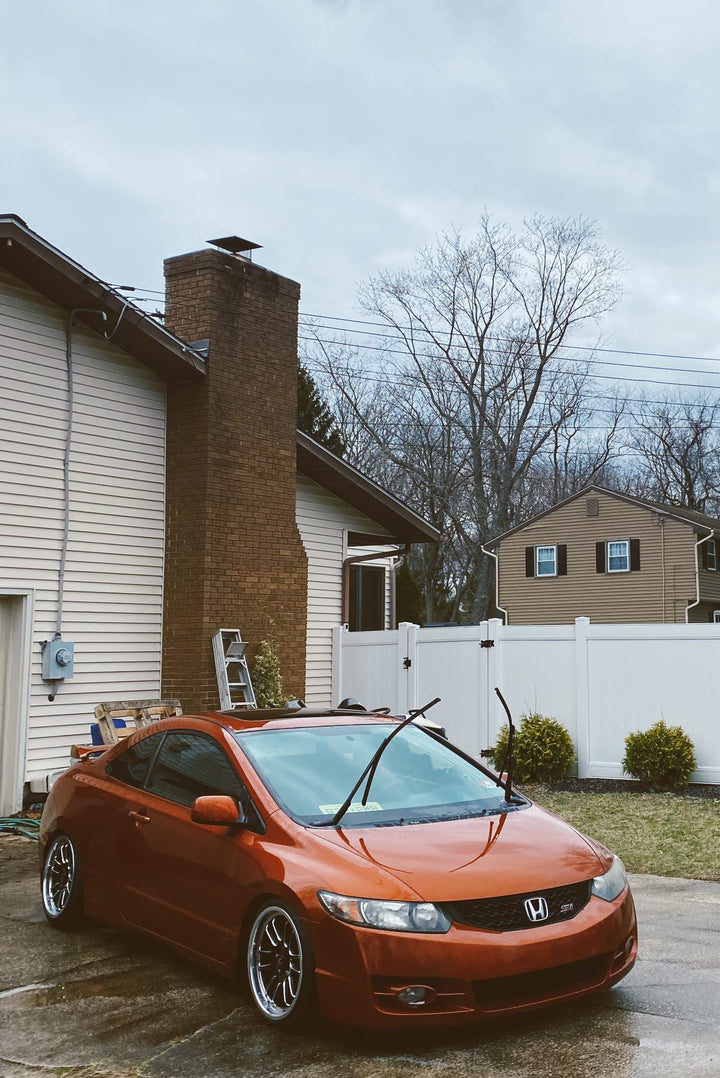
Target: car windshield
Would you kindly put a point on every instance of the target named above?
(310, 771)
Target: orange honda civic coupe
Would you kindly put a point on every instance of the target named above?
(345, 863)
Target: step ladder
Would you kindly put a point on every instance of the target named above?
(233, 677)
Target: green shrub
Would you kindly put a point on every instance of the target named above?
(543, 749)
(266, 679)
(663, 757)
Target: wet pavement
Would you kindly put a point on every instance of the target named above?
(98, 1004)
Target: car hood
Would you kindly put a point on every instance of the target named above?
(525, 850)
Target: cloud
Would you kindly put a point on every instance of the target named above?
(343, 134)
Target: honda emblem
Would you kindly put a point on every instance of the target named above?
(536, 909)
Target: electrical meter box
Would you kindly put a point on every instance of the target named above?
(57, 660)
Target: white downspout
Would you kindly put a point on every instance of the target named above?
(502, 609)
(688, 608)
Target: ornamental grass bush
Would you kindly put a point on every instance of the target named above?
(543, 749)
(662, 758)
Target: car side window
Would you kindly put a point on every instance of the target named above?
(192, 765)
(132, 765)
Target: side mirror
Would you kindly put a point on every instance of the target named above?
(218, 810)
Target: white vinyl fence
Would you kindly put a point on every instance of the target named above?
(601, 681)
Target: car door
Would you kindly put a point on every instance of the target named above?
(181, 880)
(101, 805)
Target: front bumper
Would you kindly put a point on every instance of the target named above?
(471, 973)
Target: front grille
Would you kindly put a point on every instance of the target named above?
(508, 913)
(543, 984)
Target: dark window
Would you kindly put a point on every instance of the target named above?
(132, 765)
(709, 550)
(192, 765)
(367, 598)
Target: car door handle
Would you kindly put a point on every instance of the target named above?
(138, 818)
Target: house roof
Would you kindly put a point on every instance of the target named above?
(65, 282)
(43, 267)
(349, 484)
(676, 512)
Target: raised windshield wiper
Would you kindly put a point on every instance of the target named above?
(508, 762)
(369, 771)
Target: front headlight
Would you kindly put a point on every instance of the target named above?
(379, 913)
(611, 883)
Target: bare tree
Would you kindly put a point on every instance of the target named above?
(677, 449)
(472, 391)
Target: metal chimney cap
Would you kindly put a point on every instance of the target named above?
(236, 245)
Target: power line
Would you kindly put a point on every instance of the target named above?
(418, 329)
(569, 374)
(382, 379)
(576, 347)
(500, 351)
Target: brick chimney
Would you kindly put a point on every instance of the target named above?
(234, 557)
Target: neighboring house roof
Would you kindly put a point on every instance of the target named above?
(43, 267)
(349, 484)
(677, 512)
(65, 282)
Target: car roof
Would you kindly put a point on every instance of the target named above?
(275, 718)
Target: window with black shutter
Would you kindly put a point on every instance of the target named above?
(617, 556)
(546, 560)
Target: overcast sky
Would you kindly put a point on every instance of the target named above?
(343, 134)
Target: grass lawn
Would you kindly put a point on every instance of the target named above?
(661, 834)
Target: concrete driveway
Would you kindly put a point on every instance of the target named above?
(97, 1004)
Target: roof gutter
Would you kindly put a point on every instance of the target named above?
(44, 267)
(689, 607)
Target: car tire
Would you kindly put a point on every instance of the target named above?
(61, 884)
(280, 967)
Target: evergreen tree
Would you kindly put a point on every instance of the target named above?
(409, 597)
(314, 416)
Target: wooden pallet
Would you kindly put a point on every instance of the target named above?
(137, 713)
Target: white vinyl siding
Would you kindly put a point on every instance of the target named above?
(114, 571)
(324, 521)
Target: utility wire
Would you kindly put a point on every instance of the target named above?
(416, 380)
(498, 351)
(418, 329)
(577, 347)
(569, 374)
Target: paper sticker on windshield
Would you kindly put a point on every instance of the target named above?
(357, 806)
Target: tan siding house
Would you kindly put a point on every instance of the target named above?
(611, 558)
